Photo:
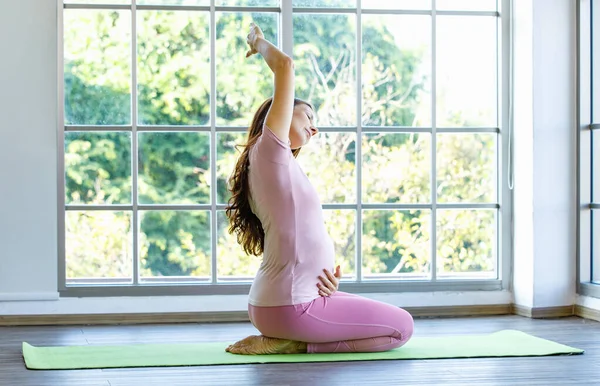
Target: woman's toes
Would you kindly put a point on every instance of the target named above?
(237, 347)
(254, 345)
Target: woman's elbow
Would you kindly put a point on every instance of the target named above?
(286, 64)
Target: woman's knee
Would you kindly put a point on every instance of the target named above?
(404, 324)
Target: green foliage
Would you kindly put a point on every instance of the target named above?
(98, 168)
(174, 168)
(173, 89)
(173, 68)
(175, 243)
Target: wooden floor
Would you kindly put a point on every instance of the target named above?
(556, 370)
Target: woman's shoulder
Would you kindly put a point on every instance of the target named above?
(268, 133)
(270, 147)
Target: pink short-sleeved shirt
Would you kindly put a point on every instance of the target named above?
(297, 246)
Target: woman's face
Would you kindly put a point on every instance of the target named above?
(303, 126)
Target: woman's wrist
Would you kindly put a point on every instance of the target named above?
(275, 58)
(261, 45)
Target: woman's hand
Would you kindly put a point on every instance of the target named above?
(330, 282)
(255, 34)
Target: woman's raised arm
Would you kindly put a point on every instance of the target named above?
(279, 117)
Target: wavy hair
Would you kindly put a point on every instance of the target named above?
(243, 222)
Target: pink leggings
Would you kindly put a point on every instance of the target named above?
(342, 322)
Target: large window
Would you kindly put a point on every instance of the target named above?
(589, 147)
(409, 165)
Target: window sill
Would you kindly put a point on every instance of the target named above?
(231, 303)
(388, 287)
(589, 289)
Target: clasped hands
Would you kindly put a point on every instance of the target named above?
(253, 36)
(329, 282)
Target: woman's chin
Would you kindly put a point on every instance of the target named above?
(294, 145)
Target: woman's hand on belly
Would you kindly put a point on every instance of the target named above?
(329, 282)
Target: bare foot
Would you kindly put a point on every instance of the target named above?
(259, 344)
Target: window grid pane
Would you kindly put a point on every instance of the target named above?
(595, 166)
(594, 225)
(595, 246)
(466, 244)
(396, 244)
(187, 103)
(595, 23)
(97, 88)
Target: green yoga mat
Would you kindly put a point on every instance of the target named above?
(500, 344)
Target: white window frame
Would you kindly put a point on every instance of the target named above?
(213, 287)
(586, 129)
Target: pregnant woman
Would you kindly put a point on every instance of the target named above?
(275, 211)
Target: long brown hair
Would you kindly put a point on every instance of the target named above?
(243, 222)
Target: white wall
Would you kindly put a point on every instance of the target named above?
(555, 144)
(545, 153)
(523, 156)
(544, 271)
(28, 149)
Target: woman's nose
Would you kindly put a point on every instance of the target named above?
(314, 130)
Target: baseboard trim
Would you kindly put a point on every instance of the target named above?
(458, 311)
(242, 316)
(543, 312)
(115, 319)
(233, 316)
(587, 313)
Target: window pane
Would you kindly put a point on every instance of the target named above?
(596, 245)
(396, 70)
(596, 61)
(595, 227)
(596, 166)
(243, 83)
(175, 244)
(466, 168)
(466, 244)
(98, 1)
(466, 71)
(174, 168)
(324, 3)
(233, 264)
(396, 4)
(466, 5)
(97, 67)
(396, 244)
(247, 3)
(173, 68)
(98, 246)
(173, 2)
(396, 168)
(341, 226)
(97, 168)
(325, 54)
(227, 156)
(329, 162)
